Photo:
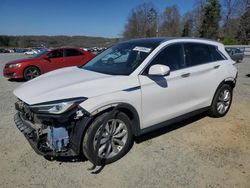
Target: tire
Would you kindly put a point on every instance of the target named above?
(31, 72)
(221, 102)
(91, 135)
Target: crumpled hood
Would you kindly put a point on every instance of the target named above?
(69, 83)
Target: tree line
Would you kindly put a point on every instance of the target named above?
(55, 41)
(227, 21)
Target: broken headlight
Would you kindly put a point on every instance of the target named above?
(57, 107)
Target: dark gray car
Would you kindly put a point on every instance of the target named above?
(237, 54)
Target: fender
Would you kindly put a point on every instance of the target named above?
(83, 123)
(231, 81)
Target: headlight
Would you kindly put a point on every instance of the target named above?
(57, 107)
(14, 65)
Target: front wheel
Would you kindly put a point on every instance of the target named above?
(31, 72)
(115, 141)
(222, 101)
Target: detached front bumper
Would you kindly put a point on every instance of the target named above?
(41, 140)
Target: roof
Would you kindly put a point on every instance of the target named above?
(155, 41)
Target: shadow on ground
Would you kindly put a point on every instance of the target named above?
(169, 128)
(16, 80)
(75, 159)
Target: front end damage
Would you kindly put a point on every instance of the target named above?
(53, 135)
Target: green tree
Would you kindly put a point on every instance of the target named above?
(142, 22)
(188, 25)
(170, 22)
(244, 28)
(4, 41)
(209, 27)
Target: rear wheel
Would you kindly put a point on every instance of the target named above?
(31, 72)
(222, 101)
(115, 141)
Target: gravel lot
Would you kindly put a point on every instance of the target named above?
(202, 152)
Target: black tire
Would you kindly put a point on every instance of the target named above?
(214, 111)
(31, 72)
(88, 140)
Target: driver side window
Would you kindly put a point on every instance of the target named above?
(55, 54)
(171, 56)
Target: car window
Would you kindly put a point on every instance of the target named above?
(215, 54)
(121, 59)
(56, 54)
(71, 52)
(197, 54)
(171, 56)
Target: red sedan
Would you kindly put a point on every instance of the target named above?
(45, 61)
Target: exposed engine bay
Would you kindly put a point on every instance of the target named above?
(50, 135)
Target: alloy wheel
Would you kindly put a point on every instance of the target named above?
(31, 73)
(224, 101)
(113, 139)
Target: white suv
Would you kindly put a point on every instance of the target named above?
(130, 89)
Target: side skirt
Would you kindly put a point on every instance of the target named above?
(171, 121)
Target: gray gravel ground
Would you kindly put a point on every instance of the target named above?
(206, 152)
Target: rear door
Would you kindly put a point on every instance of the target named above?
(204, 64)
(73, 57)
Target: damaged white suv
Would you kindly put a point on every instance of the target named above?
(130, 89)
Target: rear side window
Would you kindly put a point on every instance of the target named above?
(71, 52)
(197, 54)
(171, 56)
(216, 55)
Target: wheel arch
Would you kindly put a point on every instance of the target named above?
(230, 81)
(40, 70)
(126, 108)
(83, 124)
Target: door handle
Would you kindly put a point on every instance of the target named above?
(216, 66)
(185, 75)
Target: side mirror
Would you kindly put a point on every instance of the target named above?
(159, 70)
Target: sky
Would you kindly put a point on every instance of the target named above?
(103, 18)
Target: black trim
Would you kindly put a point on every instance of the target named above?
(132, 88)
(78, 133)
(135, 121)
(171, 121)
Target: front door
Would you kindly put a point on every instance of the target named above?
(164, 97)
(54, 60)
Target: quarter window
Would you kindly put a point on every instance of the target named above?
(215, 54)
(171, 56)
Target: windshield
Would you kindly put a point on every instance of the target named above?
(43, 51)
(121, 59)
